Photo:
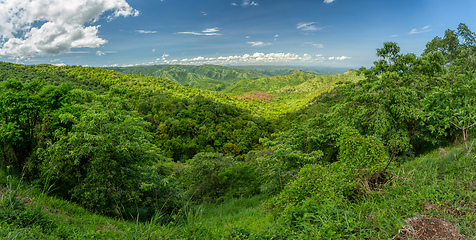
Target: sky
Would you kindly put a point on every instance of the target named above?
(336, 33)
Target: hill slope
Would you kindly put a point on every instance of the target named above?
(187, 74)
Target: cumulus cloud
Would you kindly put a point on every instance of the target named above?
(307, 26)
(206, 32)
(258, 44)
(50, 27)
(245, 59)
(145, 31)
(328, 1)
(421, 30)
(257, 58)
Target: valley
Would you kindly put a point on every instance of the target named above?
(250, 152)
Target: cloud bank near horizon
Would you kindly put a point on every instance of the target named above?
(246, 59)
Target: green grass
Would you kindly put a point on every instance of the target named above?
(440, 184)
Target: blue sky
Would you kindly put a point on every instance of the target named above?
(343, 33)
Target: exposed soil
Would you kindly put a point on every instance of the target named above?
(426, 227)
(256, 96)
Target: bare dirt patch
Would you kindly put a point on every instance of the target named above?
(426, 227)
(256, 96)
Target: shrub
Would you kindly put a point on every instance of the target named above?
(200, 177)
(239, 181)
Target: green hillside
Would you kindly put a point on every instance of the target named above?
(186, 74)
(299, 82)
(385, 152)
(286, 70)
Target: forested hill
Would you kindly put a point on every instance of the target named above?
(193, 75)
(286, 70)
(351, 162)
(297, 82)
(184, 120)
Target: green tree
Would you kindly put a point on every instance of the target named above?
(454, 105)
(386, 102)
(98, 162)
(25, 110)
(458, 47)
(200, 176)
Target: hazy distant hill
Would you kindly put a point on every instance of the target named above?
(203, 76)
(285, 70)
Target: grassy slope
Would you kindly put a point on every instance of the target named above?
(440, 184)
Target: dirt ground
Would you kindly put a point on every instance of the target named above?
(425, 227)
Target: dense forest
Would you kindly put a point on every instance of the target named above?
(97, 153)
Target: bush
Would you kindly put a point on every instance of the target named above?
(239, 181)
(360, 158)
(200, 177)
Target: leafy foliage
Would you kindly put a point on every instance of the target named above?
(201, 176)
(97, 162)
(453, 106)
(193, 76)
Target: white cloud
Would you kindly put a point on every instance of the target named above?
(421, 30)
(258, 44)
(317, 45)
(165, 55)
(256, 58)
(341, 58)
(246, 3)
(145, 31)
(211, 30)
(50, 27)
(206, 32)
(328, 1)
(204, 13)
(307, 26)
(100, 53)
(394, 35)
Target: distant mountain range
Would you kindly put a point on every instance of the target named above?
(207, 77)
(218, 78)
